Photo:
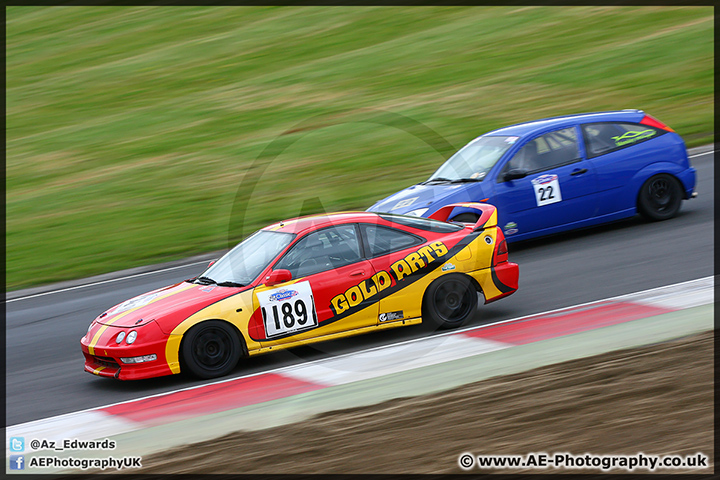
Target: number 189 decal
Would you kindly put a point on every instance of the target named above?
(547, 190)
(287, 309)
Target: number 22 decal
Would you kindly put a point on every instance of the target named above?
(546, 193)
(287, 309)
(547, 190)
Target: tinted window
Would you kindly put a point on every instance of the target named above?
(323, 250)
(546, 151)
(607, 137)
(421, 223)
(381, 240)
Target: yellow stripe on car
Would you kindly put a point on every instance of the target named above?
(101, 330)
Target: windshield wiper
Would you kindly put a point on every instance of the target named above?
(230, 284)
(204, 280)
(467, 180)
(436, 179)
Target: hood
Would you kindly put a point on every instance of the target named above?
(177, 301)
(431, 197)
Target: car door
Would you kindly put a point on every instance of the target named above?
(384, 246)
(325, 294)
(546, 184)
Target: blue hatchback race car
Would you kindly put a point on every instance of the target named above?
(558, 174)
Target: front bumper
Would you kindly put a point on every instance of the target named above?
(103, 358)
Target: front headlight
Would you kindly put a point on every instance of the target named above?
(131, 337)
(417, 213)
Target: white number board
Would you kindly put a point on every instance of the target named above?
(547, 190)
(287, 309)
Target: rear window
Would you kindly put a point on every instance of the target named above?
(421, 223)
(383, 240)
(606, 137)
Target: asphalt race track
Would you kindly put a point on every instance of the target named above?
(45, 374)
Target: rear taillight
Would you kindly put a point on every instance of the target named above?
(654, 122)
(501, 250)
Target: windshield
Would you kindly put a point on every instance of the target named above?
(474, 160)
(241, 265)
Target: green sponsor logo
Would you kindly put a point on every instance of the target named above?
(630, 137)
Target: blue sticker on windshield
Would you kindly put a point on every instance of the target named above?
(511, 140)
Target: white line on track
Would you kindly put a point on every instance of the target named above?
(701, 154)
(105, 281)
(172, 268)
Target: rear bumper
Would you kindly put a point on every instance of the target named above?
(688, 179)
(505, 276)
(497, 282)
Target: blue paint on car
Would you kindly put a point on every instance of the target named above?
(556, 174)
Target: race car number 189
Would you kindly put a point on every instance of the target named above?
(287, 309)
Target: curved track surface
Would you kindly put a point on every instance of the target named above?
(45, 374)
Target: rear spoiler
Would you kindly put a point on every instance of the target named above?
(488, 214)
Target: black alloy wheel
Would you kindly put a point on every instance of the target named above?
(660, 197)
(211, 349)
(451, 300)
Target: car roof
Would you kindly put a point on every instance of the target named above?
(320, 220)
(529, 128)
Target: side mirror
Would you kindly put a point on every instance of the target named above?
(278, 276)
(514, 173)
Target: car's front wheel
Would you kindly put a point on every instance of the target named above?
(660, 197)
(211, 349)
(450, 301)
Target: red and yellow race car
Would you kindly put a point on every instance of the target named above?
(302, 281)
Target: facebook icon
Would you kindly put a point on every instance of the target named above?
(17, 462)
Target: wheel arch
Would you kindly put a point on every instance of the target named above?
(649, 171)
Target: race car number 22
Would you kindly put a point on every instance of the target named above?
(287, 309)
(547, 190)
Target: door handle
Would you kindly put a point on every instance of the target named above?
(357, 273)
(579, 172)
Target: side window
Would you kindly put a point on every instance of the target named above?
(544, 152)
(607, 137)
(323, 250)
(381, 240)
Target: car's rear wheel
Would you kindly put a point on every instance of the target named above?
(660, 197)
(211, 349)
(450, 301)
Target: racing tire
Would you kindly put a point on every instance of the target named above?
(660, 197)
(211, 349)
(450, 301)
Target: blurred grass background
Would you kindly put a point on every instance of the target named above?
(130, 129)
